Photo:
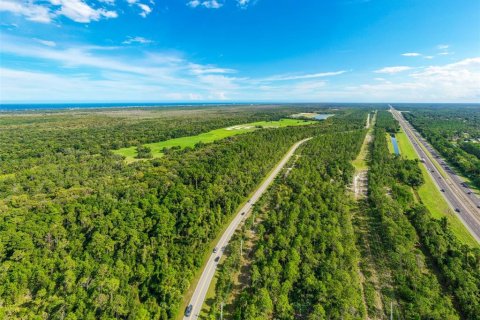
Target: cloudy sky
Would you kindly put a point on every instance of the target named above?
(239, 50)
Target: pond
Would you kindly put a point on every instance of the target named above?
(322, 116)
(395, 145)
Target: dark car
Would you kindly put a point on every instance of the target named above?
(443, 190)
(188, 311)
(217, 259)
(457, 210)
(243, 213)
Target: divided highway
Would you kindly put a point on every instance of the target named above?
(198, 298)
(462, 200)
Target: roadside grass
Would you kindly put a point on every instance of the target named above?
(208, 137)
(390, 144)
(432, 198)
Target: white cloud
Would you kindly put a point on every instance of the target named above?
(46, 42)
(243, 3)
(459, 81)
(287, 77)
(100, 73)
(193, 3)
(140, 40)
(443, 48)
(145, 10)
(210, 4)
(156, 75)
(428, 57)
(411, 54)
(79, 11)
(392, 70)
(27, 9)
(198, 69)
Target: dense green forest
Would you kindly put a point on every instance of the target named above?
(305, 261)
(305, 250)
(417, 293)
(83, 235)
(454, 132)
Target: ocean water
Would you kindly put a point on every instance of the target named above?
(74, 106)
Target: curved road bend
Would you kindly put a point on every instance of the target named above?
(456, 195)
(198, 296)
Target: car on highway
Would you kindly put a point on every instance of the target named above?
(188, 310)
(217, 259)
(215, 250)
(243, 213)
(443, 190)
(457, 210)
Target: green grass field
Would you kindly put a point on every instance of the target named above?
(389, 142)
(209, 137)
(431, 196)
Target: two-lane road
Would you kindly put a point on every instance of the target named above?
(464, 202)
(198, 296)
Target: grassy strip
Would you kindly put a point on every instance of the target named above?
(208, 137)
(432, 198)
(360, 163)
(390, 144)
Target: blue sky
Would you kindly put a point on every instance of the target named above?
(239, 50)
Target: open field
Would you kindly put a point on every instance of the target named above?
(209, 137)
(431, 196)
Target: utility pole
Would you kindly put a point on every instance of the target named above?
(241, 247)
(391, 310)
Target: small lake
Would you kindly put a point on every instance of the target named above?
(395, 145)
(322, 116)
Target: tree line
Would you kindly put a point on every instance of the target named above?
(305, 261)
(83, 235)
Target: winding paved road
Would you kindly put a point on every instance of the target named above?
(198, 296)
(461, 199)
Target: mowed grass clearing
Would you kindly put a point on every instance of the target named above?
(209, 137)
(432, 198)
(390, 144)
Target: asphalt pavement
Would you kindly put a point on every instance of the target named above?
(462, 200)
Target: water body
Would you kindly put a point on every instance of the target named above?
(395, 145)
(79, 106)
(323, 116)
